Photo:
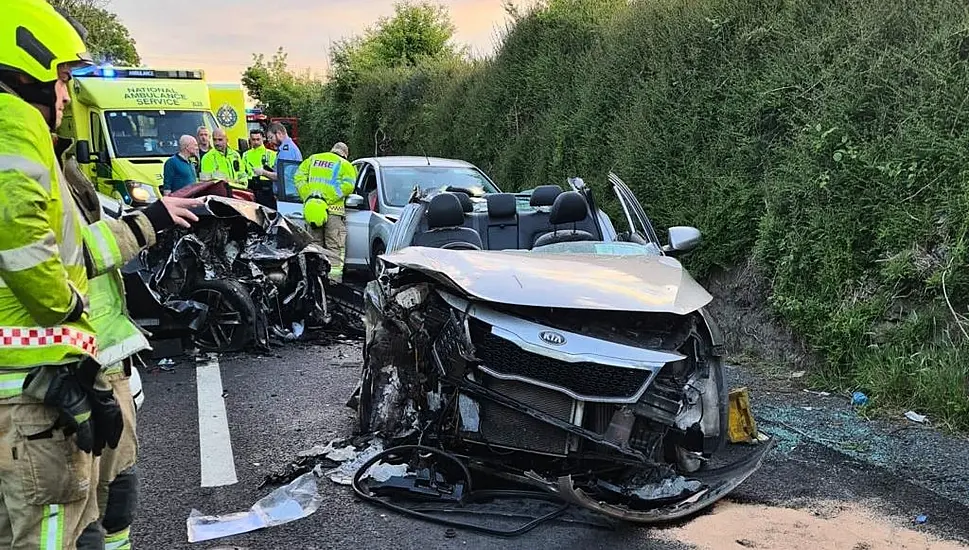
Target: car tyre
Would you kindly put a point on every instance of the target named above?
(230, 323)
(377, 249)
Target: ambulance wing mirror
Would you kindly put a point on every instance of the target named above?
(243, 145)
(82, 150)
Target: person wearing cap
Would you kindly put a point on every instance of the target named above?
(323, 182)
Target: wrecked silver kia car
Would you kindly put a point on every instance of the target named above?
(531, 341)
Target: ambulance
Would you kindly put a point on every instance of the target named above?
(126, 122)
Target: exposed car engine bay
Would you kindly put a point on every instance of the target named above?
(622, 412)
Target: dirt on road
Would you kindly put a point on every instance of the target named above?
(825, 526)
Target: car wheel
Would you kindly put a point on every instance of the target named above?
(230, 323)
(378, 249)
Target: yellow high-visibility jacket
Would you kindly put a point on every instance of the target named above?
(323, 181)
(47, 252)
(229, 167)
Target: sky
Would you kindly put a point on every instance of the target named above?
(220, 36)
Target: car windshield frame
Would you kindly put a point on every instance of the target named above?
(167, 146)
(400, 198)
(599, 248)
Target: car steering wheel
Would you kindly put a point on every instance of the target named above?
(461, 245)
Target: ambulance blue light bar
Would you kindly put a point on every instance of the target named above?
(133, 72)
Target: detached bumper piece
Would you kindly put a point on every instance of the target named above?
(436, 482)
(430, 484)
(672, 499)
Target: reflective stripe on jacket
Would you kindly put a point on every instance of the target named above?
(43, 268)
(118, 335)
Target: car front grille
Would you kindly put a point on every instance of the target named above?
(588, 381)
(504, 427)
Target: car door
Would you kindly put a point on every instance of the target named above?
(358, 220)
(640, 229)
(288, 202)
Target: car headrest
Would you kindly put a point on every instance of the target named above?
(444, 210)
(569, 207)
(544, 195)
(466, 204)
(501, 205)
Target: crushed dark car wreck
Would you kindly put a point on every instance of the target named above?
(582, 364)
(241, 275)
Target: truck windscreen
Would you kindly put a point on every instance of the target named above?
(153, 133)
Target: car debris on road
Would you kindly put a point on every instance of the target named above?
(297, 500)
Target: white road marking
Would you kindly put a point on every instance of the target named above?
(217, 462)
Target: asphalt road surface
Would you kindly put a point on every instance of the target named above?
(278, 405)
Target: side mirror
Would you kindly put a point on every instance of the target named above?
(243, 145)
(683, 238)
(82, 150)
(354, 201)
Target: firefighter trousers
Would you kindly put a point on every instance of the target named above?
(47, 484)
(117, 488)
(333, 237)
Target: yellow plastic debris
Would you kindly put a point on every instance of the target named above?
(741, 426)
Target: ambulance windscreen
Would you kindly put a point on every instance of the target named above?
(153, 133)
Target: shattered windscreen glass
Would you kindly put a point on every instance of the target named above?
(399, 182)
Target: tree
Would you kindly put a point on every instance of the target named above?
(415, 33)
(274, 86)
(108, 39)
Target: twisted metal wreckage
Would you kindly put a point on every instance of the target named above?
(491, 368)
(240, 276)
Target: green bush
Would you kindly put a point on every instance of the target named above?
(828, 139)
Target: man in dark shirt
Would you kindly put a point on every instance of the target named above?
(179, 171)
(204, 139)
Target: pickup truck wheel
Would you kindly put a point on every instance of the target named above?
(230, 323)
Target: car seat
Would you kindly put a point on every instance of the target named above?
(444, 225)
(544, 195)
(466, 204)
(569, 207)
(502, 221)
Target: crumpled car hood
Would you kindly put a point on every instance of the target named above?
(653, 284)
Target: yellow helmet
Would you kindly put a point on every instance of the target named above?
(36, 38)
